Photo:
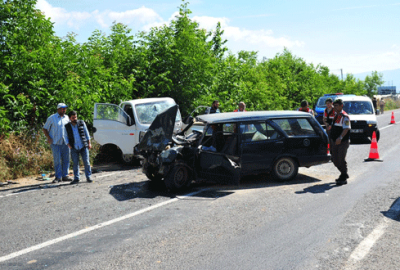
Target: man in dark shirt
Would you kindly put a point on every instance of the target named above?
(78, 140)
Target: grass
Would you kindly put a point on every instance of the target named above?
(29, 154)
(391, 104)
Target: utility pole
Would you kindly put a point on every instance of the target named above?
(341, 72)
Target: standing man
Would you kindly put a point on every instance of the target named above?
(242, 107)
(213, 108)
(340, 134)
(78, 141)
(304, 108)
(382, 105)
(329, 114)
(54, 130)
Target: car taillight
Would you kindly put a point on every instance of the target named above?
(328, 148)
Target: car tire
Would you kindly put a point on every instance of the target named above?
(178, 178)
(285, 169)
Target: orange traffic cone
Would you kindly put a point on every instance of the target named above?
(392, 121)
(373, 153)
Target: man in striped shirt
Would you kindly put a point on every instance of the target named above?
(55, 132)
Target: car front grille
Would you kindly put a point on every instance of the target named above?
(358, 124)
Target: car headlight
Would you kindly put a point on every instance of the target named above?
(372, 122)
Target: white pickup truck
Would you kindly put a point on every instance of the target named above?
(119, 128)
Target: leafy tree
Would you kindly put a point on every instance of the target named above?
(372, 82)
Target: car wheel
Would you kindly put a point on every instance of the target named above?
(285, 169)
(178, 178)
(127, 158)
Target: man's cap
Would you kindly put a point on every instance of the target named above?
(338, 101)
(61, 105)
(328, 100)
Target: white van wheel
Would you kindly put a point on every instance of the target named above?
(127, 158)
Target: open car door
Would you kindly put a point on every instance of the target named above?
(220, 164)
(114, 126)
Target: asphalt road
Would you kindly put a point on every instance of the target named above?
(122, 222)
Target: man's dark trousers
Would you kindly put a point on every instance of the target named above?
(338, 153)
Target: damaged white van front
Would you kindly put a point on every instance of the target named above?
(119, 128)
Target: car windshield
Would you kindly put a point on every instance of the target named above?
(146, 112)
(358, 107)
(321, 101)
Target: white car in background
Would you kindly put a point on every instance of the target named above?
(362, 117)
(119, 128)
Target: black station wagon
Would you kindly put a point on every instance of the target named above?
(232, 145)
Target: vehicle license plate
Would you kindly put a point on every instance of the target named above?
(356, 130)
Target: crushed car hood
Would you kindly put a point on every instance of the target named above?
(160, 131)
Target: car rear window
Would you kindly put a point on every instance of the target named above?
(295, 126)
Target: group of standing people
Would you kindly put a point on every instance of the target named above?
(214, 107)
(381, 104)
(67, 137)
(337, 123)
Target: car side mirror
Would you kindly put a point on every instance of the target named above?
(187, 120)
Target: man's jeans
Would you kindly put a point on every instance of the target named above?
(61, 160)
(84, 152)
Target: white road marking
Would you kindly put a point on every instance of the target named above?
(95, 227)
(386, 127)
(365, 246)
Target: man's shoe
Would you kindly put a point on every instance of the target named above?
(75, 181)
(89, 180)
(66, 179)
(341, 183)
(56, 180)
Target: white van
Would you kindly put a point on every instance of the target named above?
(362, 117)
(118, 129)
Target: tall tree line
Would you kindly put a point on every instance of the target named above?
(179, 60)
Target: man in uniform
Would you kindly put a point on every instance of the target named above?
(329, 114)
(304, 108)
(242, 107)
(339, 141)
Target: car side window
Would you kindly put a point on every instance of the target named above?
(111, 112)
(258, 131)
(295, 126)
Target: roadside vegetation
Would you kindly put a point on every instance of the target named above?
(39, 69)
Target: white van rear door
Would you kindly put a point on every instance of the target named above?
(113, 126)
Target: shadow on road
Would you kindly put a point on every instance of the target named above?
(149, 189)
(317, 188)
(394, 211)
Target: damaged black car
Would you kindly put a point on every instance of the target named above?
(232, 145)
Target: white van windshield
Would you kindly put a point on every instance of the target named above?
(358, 107)
(146, 112)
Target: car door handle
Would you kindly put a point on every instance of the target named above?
(279, 142)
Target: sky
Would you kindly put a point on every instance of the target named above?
(352, 36)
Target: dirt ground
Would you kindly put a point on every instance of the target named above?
(37, 180)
